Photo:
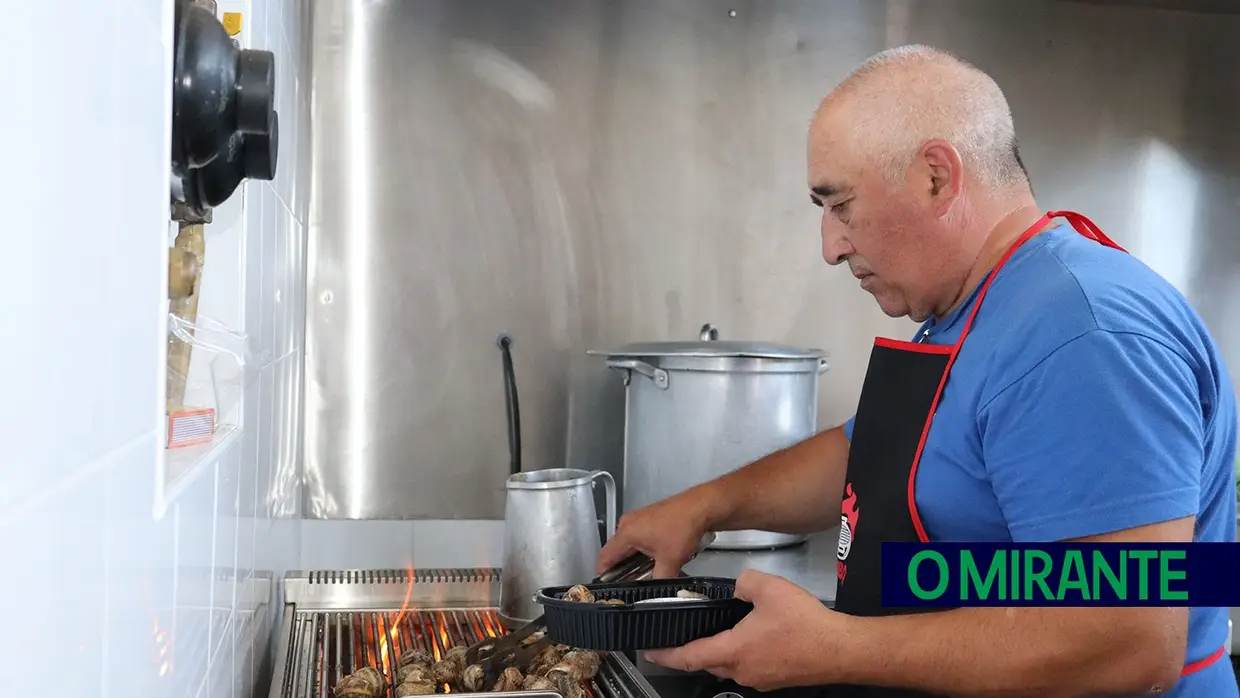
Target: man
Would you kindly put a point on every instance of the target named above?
(1088, 403)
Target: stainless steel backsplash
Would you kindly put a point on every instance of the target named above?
(584, 174)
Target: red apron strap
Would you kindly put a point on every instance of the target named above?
(1194, 667)
(1086, 227)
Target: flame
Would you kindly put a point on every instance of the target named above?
(850, 508)
(430, 630)
(473, 620)
(395, 624)
(492, 625)
(443, 631)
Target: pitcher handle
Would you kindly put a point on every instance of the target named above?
(609, 485)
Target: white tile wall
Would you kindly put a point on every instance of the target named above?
(112, 600)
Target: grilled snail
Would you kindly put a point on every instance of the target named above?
(472, 678)
(457, 654)
(415, 673)
(555, 668)
(547, 658)
(586, 660)
(510, 680)
(579, 593)
(414, 688)
(349, 687)
(537, 683)
(446, 671)
(576, 666)
(367, 682)
(416, 657)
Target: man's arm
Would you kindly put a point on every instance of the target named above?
(794, 490)
(1034, 652)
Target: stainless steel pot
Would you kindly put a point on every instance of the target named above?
(697, 410)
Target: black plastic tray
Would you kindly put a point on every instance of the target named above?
(612, 628)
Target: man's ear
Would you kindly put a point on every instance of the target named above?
(945, 172)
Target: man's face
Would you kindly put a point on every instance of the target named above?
(886, 233)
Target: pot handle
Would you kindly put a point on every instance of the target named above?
(609, 484)
(822, 365)
(658, 375)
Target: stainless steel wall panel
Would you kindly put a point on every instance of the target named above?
(591, 173)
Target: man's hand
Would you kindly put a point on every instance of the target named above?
(785, 641)
(668, 531)
(783, 491)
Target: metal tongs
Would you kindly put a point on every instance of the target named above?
(517, 648)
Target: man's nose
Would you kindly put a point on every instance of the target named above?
(835, 247)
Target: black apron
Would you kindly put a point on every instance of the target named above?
(902, 387)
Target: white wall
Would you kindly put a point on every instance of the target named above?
(100, 594)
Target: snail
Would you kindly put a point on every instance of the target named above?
(349, 687)
(415, 673)
(577, 666)
(566, 684)
(414, 688)
(416, 657)
(556, 668)
(366, 682)
(510, 680)
(587, 660)
(537, 683)
(472, 678)
(547, 658)
(457, 654)
(579, 593)
(445, 671)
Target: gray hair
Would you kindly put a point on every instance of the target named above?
(912, 94)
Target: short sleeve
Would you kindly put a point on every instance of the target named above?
(1103, 435)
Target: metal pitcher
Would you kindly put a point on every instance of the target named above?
(550, 535)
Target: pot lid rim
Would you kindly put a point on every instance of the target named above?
(714, 349)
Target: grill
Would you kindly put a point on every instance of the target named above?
(338, 621)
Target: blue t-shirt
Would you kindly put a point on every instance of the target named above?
(1088, 398)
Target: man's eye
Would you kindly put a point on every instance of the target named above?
(815, 201)
(840, 207)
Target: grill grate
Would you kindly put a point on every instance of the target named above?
(337, 621)
(327, 645)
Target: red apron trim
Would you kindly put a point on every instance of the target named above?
(1086, 227)
(1082, 225)
(921, 445)
(912, 346)
(1194, 667)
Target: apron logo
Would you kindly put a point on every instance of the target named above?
(851, 511)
